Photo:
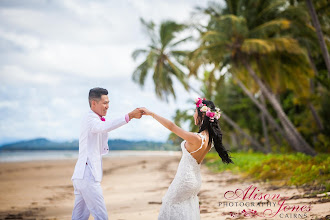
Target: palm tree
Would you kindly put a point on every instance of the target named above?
(161, 58)
(305, 34)
(247, 33)
(316, 24)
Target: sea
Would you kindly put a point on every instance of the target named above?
(36, 155)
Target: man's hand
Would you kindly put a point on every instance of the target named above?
(136, 113)
(146, 111)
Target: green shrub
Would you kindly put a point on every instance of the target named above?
(287, 169)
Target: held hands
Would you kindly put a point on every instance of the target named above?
(136, 113)
(146, 111)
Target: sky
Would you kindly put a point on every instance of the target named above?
(52, 52)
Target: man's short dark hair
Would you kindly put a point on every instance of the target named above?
(95, 94)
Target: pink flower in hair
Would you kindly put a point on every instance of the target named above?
(199, 102)
(210, 114)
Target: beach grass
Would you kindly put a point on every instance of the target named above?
(294, 169)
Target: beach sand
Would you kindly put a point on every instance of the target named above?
(132, 187)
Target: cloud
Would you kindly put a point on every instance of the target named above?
(53, 52)
(20, 40)
(15, 75)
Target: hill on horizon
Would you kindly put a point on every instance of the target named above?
(115, 144)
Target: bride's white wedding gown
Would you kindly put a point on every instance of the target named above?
(181, 201)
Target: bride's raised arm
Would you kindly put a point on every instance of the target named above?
(190, 137)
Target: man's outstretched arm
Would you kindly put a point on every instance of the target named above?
(98, 126)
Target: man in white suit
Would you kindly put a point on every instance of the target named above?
(93, 143)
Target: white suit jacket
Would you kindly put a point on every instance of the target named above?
(93, 143)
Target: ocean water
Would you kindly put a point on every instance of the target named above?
(21, 156)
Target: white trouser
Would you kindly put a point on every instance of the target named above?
(88, 198)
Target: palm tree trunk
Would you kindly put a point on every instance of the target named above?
(235, 141)
(238, 140)
(264, 125)
(316, 117)
(277, 139)
(261, 107)
(296, 140)
(312, 63)
(254, 142)
(312, 88)
(319, 34)
(235, 126)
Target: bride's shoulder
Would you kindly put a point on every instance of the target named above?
(199, 134)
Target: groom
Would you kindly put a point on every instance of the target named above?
(93, 143)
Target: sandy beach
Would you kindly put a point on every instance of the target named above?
(132, 188)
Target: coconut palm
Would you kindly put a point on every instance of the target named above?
(247, 34)
(161, 58)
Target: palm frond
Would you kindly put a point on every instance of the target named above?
(181, 56)
(269, 28)
(180, 41)
(267, 46)
(140, 73)
(167, 32)
(180, 75)
(213, 35)
(149, 28)
(138, 52)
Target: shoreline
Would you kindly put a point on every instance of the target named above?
(53, 155)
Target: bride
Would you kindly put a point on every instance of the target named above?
(181, 201)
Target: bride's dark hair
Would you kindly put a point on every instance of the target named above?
(215, 135)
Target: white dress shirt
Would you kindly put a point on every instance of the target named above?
(93, 143)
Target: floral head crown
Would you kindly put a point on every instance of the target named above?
(209, 113)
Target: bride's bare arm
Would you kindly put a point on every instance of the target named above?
(186, 135)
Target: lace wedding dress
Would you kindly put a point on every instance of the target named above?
(181, 201)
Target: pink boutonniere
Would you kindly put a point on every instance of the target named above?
(102, 119)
